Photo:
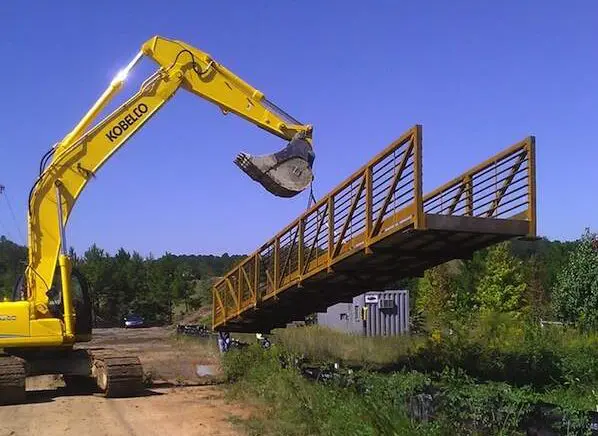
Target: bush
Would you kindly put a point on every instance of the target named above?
(395, 389)
(296, 406)
(575, 292)
(237, 363)
(490, 408)
(487, 376)
(500, 347)
(372, 403)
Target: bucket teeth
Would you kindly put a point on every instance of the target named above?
(244, 161)
(285, 173)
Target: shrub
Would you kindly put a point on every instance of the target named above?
(296, 406)
(575, 292)
(485, 376)
(495, 408)
(501, 347)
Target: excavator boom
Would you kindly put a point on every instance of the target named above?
(77, 158)
(48, 316)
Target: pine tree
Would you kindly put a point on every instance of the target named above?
(502, 283)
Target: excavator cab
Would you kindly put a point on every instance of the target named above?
(81, 301)
(285, 173)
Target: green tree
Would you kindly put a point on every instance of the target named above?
(501, 283)
(464, 300)
(434, 293)
(12, 265)
(136, 278)
(548, 258)
(537, 296)
(575, 293)
(95, 266)
(182, 284)
(158, 303)
(121, 295)
(204, 291)
(446, 292)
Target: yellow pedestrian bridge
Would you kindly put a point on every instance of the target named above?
(377, 227)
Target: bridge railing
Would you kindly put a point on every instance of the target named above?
(381, 197)
(501, 187)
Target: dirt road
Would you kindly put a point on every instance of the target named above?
(176, 403)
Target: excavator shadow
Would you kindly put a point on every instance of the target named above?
(50, 395)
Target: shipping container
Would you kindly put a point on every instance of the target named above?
(374, 313)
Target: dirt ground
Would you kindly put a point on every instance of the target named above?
(179, 402)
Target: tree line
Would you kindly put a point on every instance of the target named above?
(12, 263)
(542, 279)
(127, 282)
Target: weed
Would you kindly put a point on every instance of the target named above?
(492, 375)
(322, 343)
(296, 406)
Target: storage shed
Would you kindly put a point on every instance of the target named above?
(374, 313)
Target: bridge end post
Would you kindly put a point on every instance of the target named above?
(417, 177)
(531, 186)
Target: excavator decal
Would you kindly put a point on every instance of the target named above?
(127, 122)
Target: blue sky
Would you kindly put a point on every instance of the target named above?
(478, 75)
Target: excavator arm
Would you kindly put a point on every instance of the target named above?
(68, 167)
(205, 77)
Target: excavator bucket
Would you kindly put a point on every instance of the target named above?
(285, 173)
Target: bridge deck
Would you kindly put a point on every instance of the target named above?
(376, 228)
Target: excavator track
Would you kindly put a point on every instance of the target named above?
(12, 380)
(117, 374)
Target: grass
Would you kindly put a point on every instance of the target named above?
(175, 360)
(293, 406)
(207, 348)
(486, 375)
(498, 347)
(322, 343)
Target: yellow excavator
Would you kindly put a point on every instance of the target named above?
(51, 308)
